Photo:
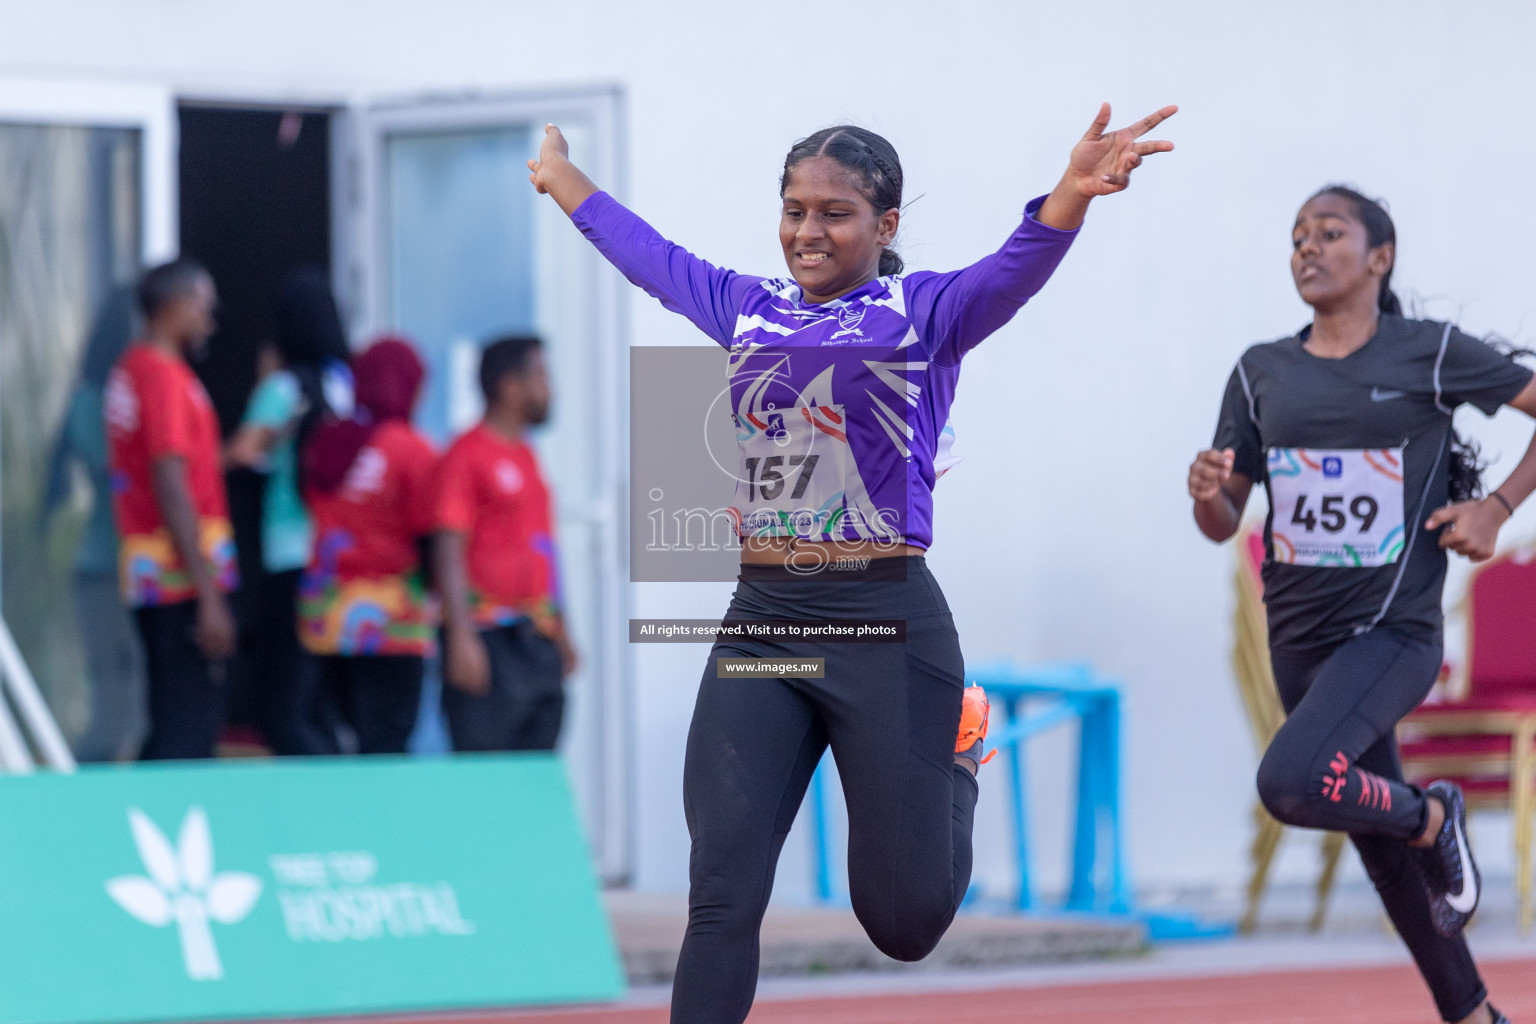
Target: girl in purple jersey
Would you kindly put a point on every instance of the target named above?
(841, 380)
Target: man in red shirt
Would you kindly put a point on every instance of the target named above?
(506, 652)
(177, 557)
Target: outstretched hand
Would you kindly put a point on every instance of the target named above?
(554, 175)
(1102, 161)
(1101, 164)
(1471, 527)
(553, 149)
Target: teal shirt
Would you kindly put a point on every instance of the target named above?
(286, 529)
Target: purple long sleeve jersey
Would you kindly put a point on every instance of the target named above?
(837, 406)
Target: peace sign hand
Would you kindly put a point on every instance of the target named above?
(1101, 163)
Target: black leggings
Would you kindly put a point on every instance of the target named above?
(890, 712)
(1334, 765)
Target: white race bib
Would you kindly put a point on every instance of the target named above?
(791, 480)
(1339, 507)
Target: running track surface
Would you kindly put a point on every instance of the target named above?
(1364, 995)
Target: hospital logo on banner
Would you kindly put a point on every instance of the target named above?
(181, 888)
(323, 897)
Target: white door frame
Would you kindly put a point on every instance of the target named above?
(99, 104)
(361, 253)
(151, 110)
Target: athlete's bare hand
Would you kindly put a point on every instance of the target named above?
(1209, 473)
(1471, 527)
(553, 150)
(1102, 161)
(554, 175)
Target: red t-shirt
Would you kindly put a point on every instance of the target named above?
(156, 406)
(363, 591)
(490, 490)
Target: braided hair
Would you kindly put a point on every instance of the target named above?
(867, 155)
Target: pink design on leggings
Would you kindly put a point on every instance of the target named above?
(1333, 785)
(1374, 791)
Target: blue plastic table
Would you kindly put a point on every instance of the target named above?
(1027, 702)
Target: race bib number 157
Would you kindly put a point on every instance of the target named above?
(1340, 507)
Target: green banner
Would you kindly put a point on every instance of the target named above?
(287, 888)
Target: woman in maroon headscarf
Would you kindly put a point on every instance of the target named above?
(363, 605)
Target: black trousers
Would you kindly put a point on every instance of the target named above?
(284, 682)
(889, 711)
(526, 703)
(186, 699)
(376, 695)
(1334, 765)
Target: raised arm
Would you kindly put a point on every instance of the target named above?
(705, 294)
(953, 312)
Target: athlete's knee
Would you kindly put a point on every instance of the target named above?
(1284, 787)
(905, 933)
(907, 944)
(1301, 787)
(725, 893)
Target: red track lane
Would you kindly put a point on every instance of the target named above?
(1366, 995)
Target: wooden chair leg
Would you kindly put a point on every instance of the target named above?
(1523, 799)
(1264, 844)
(1333, 845)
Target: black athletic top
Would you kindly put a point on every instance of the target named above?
(1335, 441)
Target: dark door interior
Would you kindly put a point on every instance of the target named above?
(255, 193)
(255, 204)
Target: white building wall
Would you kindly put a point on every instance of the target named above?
(1066, 532)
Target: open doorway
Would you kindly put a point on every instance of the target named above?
(255, 202)
(255, 192)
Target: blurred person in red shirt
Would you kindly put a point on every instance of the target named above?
(364, 609)
(506, 653)
(177, 553)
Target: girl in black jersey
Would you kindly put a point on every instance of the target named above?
(1348, 425)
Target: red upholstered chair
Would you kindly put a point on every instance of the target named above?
(1486, 739)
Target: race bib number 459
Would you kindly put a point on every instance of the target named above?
(1341, 507)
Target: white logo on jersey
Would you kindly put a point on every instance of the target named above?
(849, 319)
(122, 412)
(198, 395)
(508, 477)
(367, 473)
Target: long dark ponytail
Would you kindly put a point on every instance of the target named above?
(869, 156)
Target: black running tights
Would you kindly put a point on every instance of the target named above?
(1334, 765)
(890, 712)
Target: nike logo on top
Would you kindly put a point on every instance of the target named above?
(1382, 395)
